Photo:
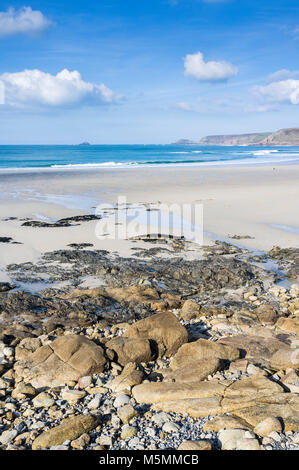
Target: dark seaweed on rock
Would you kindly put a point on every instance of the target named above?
(5, 239)
(6, 286)
(288, 260)
(177, 274)
(201, 279)
(66, 222)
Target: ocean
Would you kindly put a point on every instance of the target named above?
(132, 156)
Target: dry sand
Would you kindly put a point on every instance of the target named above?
(236, 200)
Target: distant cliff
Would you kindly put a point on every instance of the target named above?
(283, 137)
(235, 139)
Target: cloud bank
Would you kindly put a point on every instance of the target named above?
(286, 91)
(67, 88)
(197, 68)
(22, 21)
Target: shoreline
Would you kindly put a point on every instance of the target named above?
(259, 202)
(84, 167)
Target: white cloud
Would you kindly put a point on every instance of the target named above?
(196, 67)
(67, 88)
(259, 108)
(283, 74)
(22, 21)
(282, 91)
(184, 106)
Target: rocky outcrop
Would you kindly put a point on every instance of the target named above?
(252, 399)
(66, 222)
(163, 329)
(169, 350)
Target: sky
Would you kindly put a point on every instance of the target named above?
(132, 71)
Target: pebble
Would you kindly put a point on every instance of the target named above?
(128, 431)
(72, 395)
(7, 436)
(104, 440)
(170, 427)
(274, 435)
(134, 442)
(121, 400)
(126, 413)
(150, 431)
(95, 402)
(160, 418)
(43, 400)
(85, 381)
(81, 442)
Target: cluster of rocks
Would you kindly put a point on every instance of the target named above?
(288, 259)
(65, 222)
(168, 354)
(9, 240)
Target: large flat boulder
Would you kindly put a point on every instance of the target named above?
(203, 349)
(252, 399)
(66, 359)
(252, 411)
(253, 386)
(268, 351)
(156, 392)
(195, 407)
(195, 371)
(163, 329)
(225, 422)
(246, 389)
(284, 406)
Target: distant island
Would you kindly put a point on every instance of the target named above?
(184, 142)
(283, 137)
(84, 143)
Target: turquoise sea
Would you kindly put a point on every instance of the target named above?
(132, 156)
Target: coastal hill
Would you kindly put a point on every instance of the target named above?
(283, 137)
(241, 139)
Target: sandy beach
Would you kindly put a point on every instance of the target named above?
(260, 202)
(113, 337)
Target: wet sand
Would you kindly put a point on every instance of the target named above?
(256, 201)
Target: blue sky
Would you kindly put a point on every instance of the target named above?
(127, 71)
